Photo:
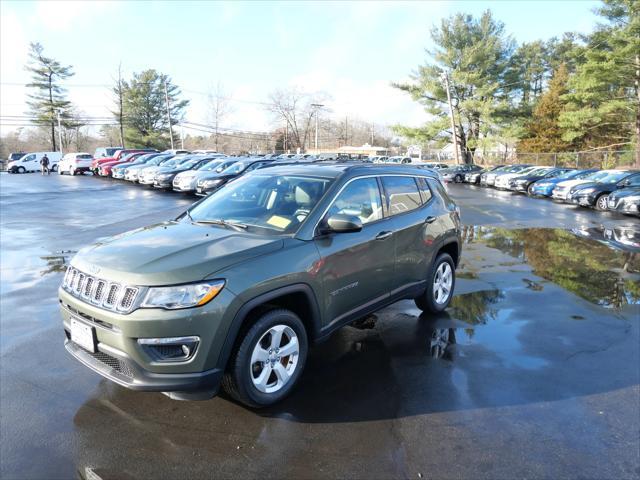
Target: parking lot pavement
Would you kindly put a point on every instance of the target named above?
(533, 372)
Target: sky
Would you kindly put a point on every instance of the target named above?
(350, 50)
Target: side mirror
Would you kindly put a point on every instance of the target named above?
(341, 223)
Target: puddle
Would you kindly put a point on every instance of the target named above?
(601, 265)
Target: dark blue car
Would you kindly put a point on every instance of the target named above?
(544, 188)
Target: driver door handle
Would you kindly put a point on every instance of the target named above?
(430, 219)
(383, 235)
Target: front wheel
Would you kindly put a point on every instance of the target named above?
(54, 168)
(21, 170)
(440, 284)
(530, 191)
(601, 202)
(268, 361)
(457, 179)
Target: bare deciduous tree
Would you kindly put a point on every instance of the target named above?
(295, 108)
(219, 109)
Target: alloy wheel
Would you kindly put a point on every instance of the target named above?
(442, 283)
(274, 359)
(602, 202)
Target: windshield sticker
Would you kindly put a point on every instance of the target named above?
(279, 222)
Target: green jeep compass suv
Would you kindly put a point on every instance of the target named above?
(234, 290)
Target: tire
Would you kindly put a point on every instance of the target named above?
(242, 381)
(54, 168)
(429, 301)
(72, 171)
(21, 170)
(601, 202)
(457, 179)
(530, 191)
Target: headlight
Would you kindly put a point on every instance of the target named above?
(632, 198)
(585, 190)
(211, 183)
(182, 296)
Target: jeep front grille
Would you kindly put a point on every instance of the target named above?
(108, 295)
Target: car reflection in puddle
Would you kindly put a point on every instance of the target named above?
(600, 265)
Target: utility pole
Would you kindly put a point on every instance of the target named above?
(286, 137)
(59, 130)
(166, 99)
(445, 76)
(346, 129)
(181, 136)
(317, 107)
(372, 133)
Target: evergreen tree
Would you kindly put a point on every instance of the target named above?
(145, 109)
(604, 94)
(475, 53)
(542, 131)
(49, 97)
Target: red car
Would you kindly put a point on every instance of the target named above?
(95, 165)
(104, 169)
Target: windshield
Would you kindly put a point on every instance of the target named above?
(208, 166)
(571, 174)
(613, 177)
(86, 156)
(190, 163)
(235, 168)
(273, 204)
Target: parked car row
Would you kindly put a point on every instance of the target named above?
(613, 189)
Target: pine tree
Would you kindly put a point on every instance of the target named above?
(49, 98)
(475, 53)
(604, 94)
(542, 131)
(145, 109)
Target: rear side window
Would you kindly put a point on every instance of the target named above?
(402, 194)
(633, 181)
(425, 191)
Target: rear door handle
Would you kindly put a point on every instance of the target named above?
(430, 219)
(383, 235)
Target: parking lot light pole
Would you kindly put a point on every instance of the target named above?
(454, 133)
(317, 107)
(166, 99)
(59, 130)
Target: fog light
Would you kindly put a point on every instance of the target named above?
(172, 349)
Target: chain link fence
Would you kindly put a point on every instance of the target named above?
(592, 159)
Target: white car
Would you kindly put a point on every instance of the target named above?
(561, 190)
(73, 163)
(502, 181)
(31, 162)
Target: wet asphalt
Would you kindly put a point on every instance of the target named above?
(533, 371)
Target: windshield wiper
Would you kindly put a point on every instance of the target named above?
(224, 223)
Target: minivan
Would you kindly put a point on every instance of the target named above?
(31, 162)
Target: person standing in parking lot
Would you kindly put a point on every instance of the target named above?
(45, 164)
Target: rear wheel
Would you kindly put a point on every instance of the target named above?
(20, 170)
(269, 360)
(457, 179)
(440, 284)
(54, 168)
(530, 191)
(601, 202)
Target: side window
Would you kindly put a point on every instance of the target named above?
(360, 198)
(633, 181)
(425, 191)
(29, 158)
(402, 194)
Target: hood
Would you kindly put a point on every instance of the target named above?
(171, 253)
(624, 192)
(572, 183)
(211, 175)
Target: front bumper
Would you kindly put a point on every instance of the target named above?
(121, 359)
(163, 183)
(118, 367)
(622, 206)
(584, 200)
